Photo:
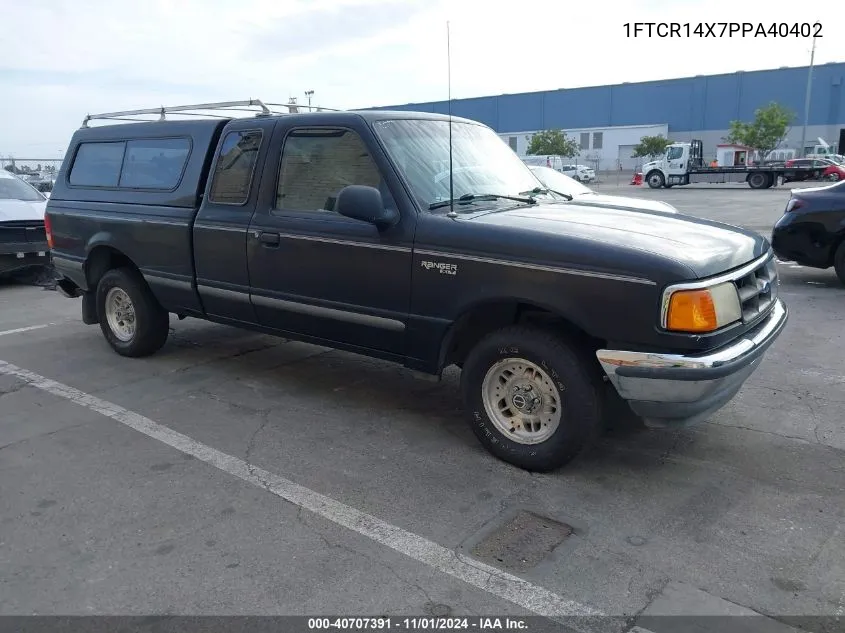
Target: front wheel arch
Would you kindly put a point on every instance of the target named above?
(484, 317)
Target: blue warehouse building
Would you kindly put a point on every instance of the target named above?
(608, 121)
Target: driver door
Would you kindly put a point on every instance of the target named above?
(314, 272)
(676, 161)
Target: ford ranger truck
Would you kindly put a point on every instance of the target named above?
(350, 230)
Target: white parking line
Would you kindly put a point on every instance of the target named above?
(485, 577)
(25, 329)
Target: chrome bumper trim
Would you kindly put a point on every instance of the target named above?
(679, 389)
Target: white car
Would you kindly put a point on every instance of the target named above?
(581, 173)
(22, 239)
(561, 183)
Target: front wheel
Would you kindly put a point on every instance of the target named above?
(839, 262)
(131, 318)
(533, 399)
(655, 180)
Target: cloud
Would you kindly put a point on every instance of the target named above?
(70, 58)
(328, 28)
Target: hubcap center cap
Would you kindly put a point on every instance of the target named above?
(525, 399)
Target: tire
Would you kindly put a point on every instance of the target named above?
(832, 177)
(560, 372)
(655, 180)
(758, 180)
(839, 262)
(123, 292)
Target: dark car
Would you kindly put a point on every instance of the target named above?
(825, 169)
(350, 230)
(811, 232)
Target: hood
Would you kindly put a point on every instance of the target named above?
(12, 210)
(705, 247)
(623, 202)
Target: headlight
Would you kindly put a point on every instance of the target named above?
(701, 309)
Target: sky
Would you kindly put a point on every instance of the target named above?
(63, 59)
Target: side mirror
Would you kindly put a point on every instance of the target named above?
(366, 204)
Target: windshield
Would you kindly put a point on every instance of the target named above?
(16, 189)
(482, 163)
(561, 183)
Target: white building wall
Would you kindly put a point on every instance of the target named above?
(618, 142)
(600, 147)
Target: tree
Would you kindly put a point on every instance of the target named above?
(651, 147)
(552, 143)
(767, 131)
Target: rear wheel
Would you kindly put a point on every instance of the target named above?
(534, 400)
(758, 180)
(839, 262)
(132, 320)
(832, 177)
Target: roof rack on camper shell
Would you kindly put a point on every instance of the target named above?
(203, 109)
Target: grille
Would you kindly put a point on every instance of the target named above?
(22, 231)
(758, 290)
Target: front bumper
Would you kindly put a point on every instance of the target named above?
(804, 243)
(671, 390)
(15, 256)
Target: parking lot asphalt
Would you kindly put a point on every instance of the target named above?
(236, 473)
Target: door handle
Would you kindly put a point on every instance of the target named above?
(269, 239)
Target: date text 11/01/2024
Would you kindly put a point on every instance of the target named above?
(417, 623)
(722, 29)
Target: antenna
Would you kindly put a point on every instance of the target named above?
(451, 213)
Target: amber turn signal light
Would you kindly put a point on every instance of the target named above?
(692, 311)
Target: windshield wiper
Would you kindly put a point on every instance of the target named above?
(540, 191)
(476, 197)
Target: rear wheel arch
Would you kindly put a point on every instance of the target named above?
(100, 260)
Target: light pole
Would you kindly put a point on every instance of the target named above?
(807, 99)
(309, 94)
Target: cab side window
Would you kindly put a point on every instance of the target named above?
(674, 153)
(317, 163)
(235, 166)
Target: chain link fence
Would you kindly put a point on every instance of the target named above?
(39, 172)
